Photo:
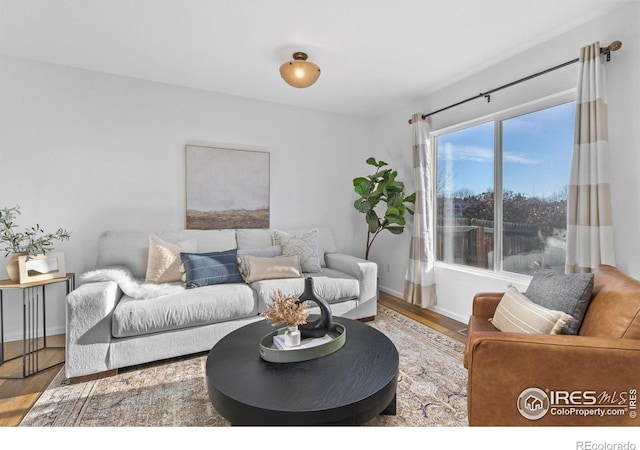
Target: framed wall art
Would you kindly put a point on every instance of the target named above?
(34, 268)
(226, 188)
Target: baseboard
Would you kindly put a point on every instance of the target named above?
(451, 315)
(17, 336)
(436, 308)
(391, 292)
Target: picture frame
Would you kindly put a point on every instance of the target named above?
(226, 188)
(34, 268)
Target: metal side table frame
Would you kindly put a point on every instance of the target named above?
(30, 321)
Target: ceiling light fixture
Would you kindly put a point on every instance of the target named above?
(300, 73)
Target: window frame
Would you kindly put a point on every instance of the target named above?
(497, 118)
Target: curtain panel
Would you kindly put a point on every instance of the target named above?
(420, 286)
(589, 224)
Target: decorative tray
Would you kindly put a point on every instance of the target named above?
(269, 352)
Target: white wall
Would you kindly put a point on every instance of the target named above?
(89, 151)
(455, 288)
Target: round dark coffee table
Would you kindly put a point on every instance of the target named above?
(350, 386)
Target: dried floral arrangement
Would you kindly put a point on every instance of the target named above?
(286, 310)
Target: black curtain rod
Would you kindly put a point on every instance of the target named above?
(614, 46)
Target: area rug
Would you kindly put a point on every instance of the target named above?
(431, 388)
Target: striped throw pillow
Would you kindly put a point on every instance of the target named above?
(516, 313)
(204, 269)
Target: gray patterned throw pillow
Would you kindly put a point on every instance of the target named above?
(304, 245)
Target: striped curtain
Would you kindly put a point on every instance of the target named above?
(589, 225)
(420, 284)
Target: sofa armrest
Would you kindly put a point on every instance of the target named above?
(88, 330)
(367, 274)
(588, 381)
(485, 304)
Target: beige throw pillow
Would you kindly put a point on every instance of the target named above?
(259, 268)
(163, 263)
(516, 313)
(268, 252)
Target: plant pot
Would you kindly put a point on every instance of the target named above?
(12, 266)
(292, 336)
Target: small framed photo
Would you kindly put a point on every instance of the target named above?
(34, 268)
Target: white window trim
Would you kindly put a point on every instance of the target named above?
(509, 277)
(497, 118)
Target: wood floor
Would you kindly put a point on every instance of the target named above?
(18, 396)
(443, 324)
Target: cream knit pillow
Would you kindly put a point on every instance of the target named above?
(163, 263)
(516, 313)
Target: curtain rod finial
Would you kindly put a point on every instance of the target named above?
(614, 46)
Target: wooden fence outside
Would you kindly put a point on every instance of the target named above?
(472, 241)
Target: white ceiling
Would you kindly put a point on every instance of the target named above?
(373, 53)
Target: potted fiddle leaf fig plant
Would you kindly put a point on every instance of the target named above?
(31, 241)
(382, 189)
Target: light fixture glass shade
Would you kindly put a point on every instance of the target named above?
(300, 73)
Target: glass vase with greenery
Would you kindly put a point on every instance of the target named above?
(382, 188)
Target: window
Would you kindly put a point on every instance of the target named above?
(501, 192)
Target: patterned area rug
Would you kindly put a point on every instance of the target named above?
(432, 388)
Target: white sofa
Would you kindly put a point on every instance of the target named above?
(107, 329)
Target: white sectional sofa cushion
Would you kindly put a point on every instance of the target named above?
(193, 307)
(330, 285)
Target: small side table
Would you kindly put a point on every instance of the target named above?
(31, 300)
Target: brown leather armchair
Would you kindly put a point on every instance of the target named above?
(589, 379)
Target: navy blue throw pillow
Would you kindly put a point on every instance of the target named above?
(204, 269)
